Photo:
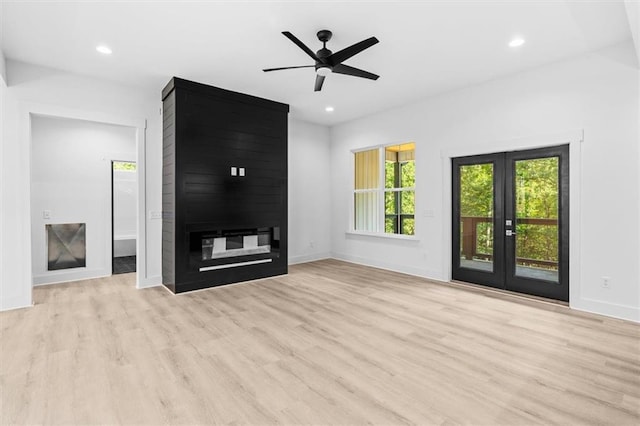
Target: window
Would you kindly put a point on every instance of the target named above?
(367, 191)
(125, 166)
(400, 194)
(385, 204)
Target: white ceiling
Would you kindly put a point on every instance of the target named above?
(426, 47)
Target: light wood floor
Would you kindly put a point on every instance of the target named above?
(331, 343)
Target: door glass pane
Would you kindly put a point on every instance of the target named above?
(476, 216)
(536, 187)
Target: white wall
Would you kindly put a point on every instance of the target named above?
(309, 192)
(3, 94)
(3, 67)
(71, 179)
(125, 195)
(125, 211)
(632, 8)
(37, 88)
(597, 92)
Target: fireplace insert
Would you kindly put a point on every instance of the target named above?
(228, 248)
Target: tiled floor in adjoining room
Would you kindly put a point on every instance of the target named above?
(124, 265)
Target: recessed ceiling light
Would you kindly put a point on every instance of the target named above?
(516, 42)
(104, 49)
(329, 109)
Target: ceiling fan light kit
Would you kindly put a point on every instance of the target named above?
(327, 62)
(323, 71)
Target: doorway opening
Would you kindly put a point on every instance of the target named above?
(124, 199)
(71, 196)
(510, 217)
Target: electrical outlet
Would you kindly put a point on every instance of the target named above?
(606, 282)
(312, 244)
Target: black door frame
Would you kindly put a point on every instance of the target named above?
(552, 290)
(492, 279)
(504, 262)
(112, 219)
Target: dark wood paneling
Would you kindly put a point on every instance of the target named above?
(168, 191)
(216, 129)
(222, 94)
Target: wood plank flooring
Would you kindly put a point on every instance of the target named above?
(331, 343)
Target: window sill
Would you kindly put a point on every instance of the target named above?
(383, 235)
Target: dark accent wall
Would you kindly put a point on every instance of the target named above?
(168, 189)
(207, 131)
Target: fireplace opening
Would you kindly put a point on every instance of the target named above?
(236, 243)
(230, 247)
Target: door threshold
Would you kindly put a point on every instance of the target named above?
(509, 294)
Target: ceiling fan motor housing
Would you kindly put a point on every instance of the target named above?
(322, 54)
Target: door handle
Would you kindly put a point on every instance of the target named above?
(510, 233)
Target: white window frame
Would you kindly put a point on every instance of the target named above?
(381, 190)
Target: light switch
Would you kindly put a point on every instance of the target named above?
(46, 214)
(234, 171)
(508, 222)
(241, 171)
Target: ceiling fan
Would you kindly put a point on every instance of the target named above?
(327, 61)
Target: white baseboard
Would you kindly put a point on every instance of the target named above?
(57, 277)
(624, 312)
(15, 303)
(65, 277)
(308, 258)
(403, 269)
(149, 282)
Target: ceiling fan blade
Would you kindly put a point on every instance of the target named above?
(301, 45)
(356, 72)
(346, 53)
(288, 68)
(319, 81)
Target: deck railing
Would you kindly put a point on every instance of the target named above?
(469, 247)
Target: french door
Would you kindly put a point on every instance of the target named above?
(511, 221)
